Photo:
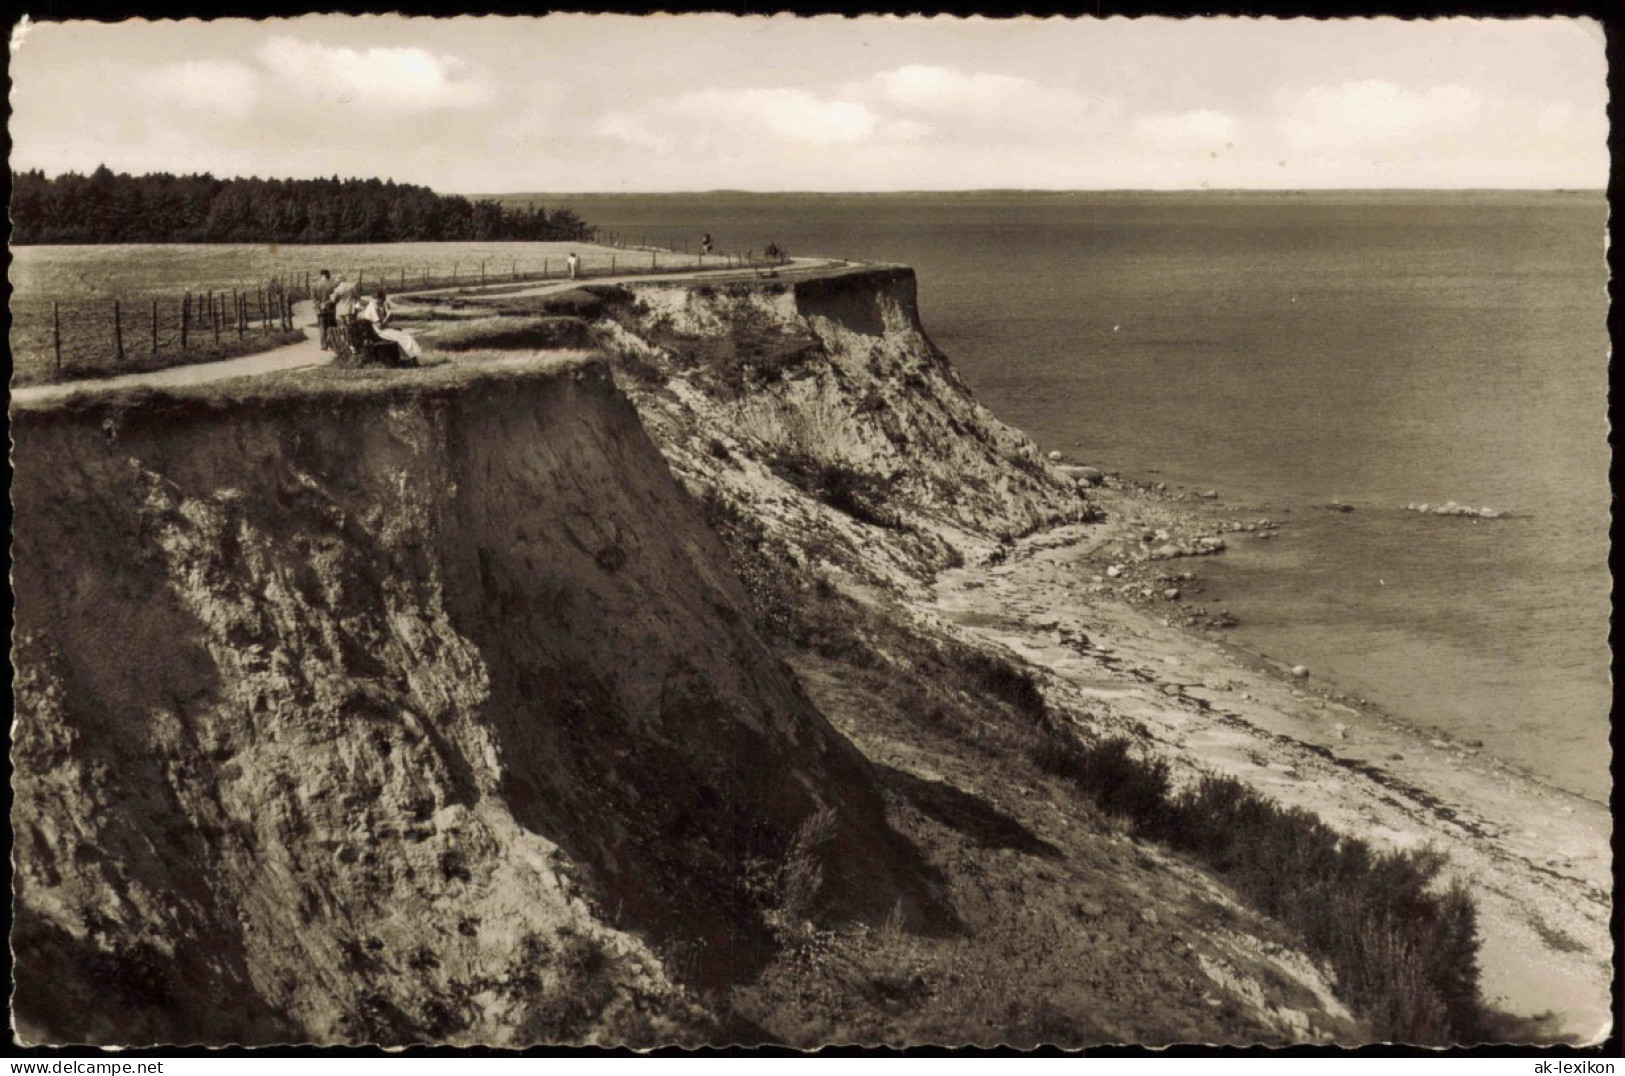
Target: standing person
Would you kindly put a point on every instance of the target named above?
(570, 264)
(343, 299)
(705, 244)
(321, 296)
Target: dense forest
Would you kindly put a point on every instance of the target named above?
(109, 207)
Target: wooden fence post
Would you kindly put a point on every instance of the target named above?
(186, 309)
(612, 265)
(155, 326)
(242, 315)
(118, 331)
(215, 314)
(56, 333)
(482, 274)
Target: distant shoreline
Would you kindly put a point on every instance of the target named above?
(1063, 193)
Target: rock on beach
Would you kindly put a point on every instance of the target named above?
(1451, 508)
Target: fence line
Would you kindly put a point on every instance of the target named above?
(93, 330)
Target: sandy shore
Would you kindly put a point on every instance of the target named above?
(1128, 645)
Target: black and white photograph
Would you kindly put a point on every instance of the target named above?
(775, 531)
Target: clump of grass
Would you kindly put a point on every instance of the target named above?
(859, 495)
(1405, 955)
(787, 890)
(802, 877)
(1003, 680)
(638, 368)
(514, 334)
(587, 302)
(566, 984)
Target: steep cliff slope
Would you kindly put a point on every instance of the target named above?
(830, 387)
(400, 712)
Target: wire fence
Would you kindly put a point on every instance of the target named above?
(595, 262)
(140, 332)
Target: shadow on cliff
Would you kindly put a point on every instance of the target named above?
(642, 723)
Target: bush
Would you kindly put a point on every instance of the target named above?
(1405, 956)
(565, 986)
(514, 334)
(638, 368)
(844, 489)
(1003, 680)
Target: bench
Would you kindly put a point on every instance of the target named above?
(367, 348)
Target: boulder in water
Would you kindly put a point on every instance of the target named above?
(1300, 671)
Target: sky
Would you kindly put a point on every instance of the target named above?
(577, 103)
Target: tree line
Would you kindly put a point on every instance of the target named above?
(112, 207)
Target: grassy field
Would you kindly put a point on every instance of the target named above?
(84, 280)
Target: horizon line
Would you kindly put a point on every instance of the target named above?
(1034, 190)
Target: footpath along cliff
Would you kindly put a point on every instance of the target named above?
(615, 696)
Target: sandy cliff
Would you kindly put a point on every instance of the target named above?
(831, 386)
(371, 713)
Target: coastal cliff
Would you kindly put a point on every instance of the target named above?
(339, 706)
(728, 681)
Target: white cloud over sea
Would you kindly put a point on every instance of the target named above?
(701, 102)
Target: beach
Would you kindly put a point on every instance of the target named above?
(1092, 606)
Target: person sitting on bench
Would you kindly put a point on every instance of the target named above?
(376, 314)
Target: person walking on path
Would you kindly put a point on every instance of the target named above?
(321, 296)
(570, 264)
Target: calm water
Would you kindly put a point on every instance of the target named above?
(1289, 350)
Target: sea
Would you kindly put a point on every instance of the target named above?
(1291, 350)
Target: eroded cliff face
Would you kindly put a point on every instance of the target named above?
(830, 386)
(426, 713)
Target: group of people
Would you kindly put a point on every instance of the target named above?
(340, 304)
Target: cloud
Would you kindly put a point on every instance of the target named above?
(793, 115)
(404, 79)
(1376, 113)
(223, 86)
(954, 97)
(737, 117)
(634, 131)
(1203, 128)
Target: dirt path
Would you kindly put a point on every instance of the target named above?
(723, 275)
(309, 353)
(289, 357)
